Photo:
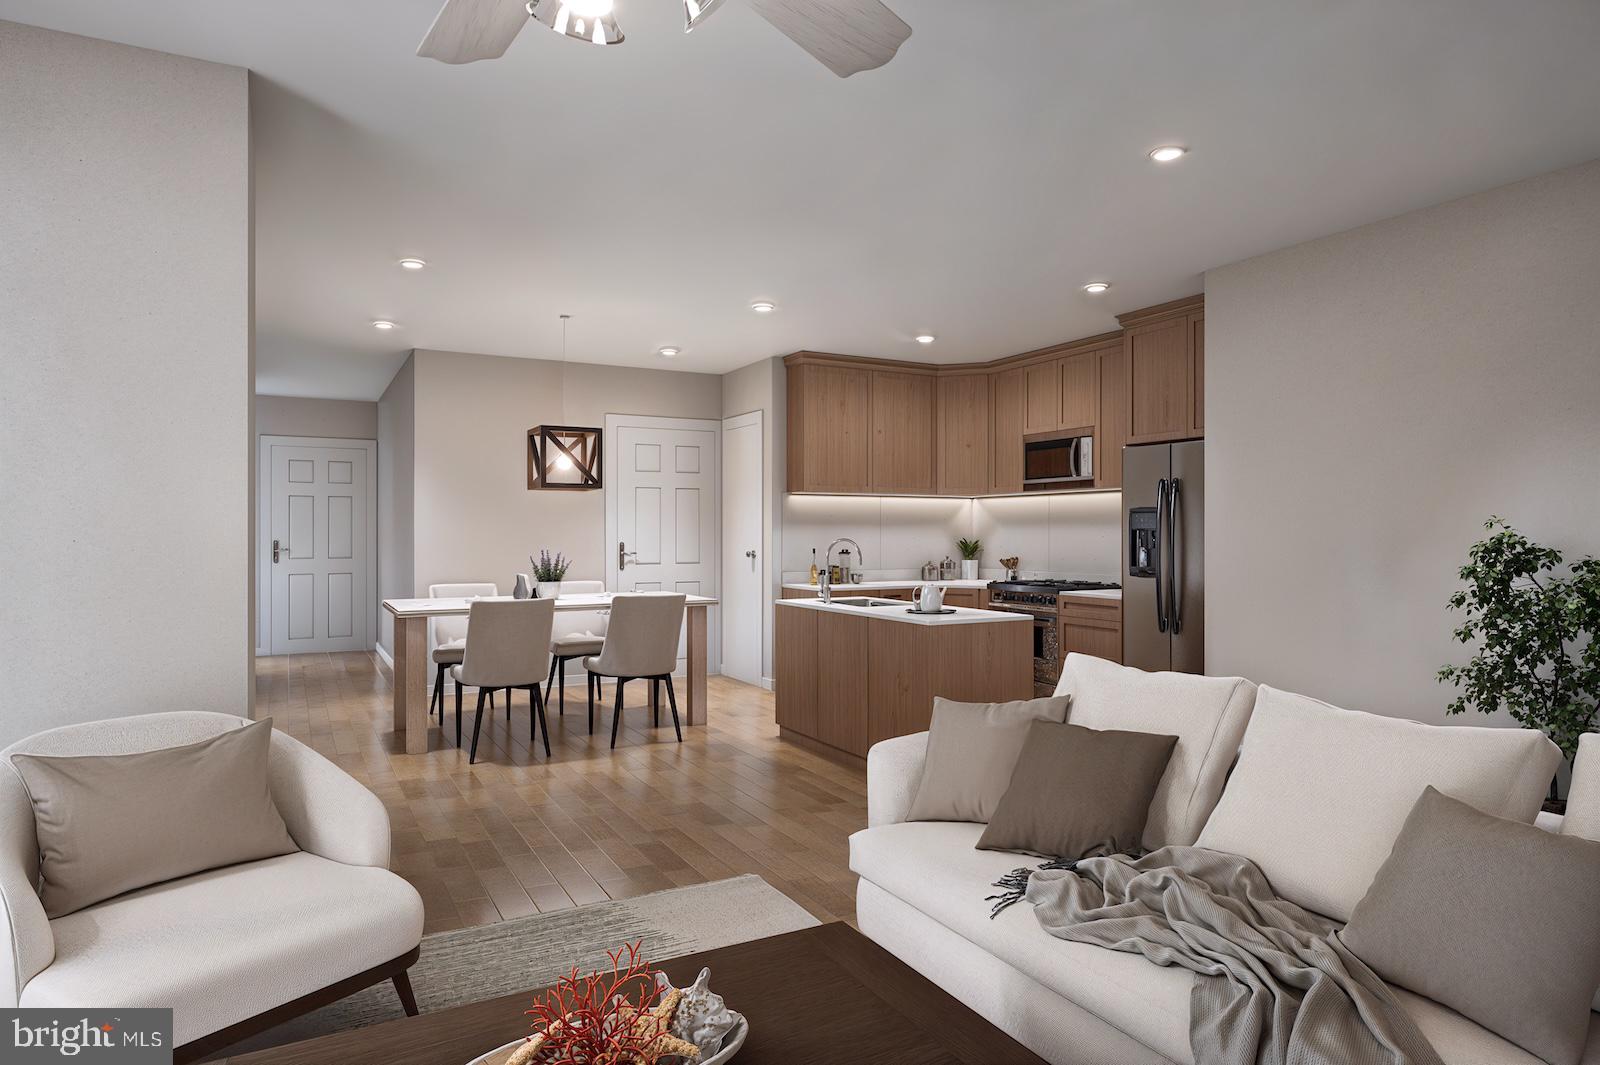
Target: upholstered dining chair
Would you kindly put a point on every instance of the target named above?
(449, 637)
(577, 634)
(507, 641)
(641, 644)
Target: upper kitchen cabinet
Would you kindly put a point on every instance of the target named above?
(1111, 432)
(1164, 364)
(963, 435)
(1008, 409)
(830, 408)
(901, 453)
(1080, 391)
(1042, 383)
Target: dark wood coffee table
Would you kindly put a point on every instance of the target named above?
(824, 995)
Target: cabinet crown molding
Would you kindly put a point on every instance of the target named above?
(1174, 309)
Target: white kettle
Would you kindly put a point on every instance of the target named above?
(930, 598)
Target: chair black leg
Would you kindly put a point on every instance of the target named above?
(402, 980)
(594, 682)
(508, 706)
(438, 693)
(544, 726)
(533, 720)
(655, 702)
(616, 715)
(477, 723)
(550, 680)
(561, 697)
(458, 715)
(672, 698)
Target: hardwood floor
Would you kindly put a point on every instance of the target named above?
(517, 834)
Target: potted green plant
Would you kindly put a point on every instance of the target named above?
(1536, 631)
(549, 573)
(971, 552)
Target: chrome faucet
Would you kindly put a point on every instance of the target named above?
(824, 581)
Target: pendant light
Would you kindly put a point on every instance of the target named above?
(564, 457)
(582, 20)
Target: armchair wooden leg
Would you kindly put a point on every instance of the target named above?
(616, 715)
(477, 724)
(402, 987)
(672, 698)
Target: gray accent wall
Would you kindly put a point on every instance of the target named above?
(348, 419)
(126, 381)
(397, 411)
(1371, 398)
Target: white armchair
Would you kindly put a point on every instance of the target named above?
(233, 950)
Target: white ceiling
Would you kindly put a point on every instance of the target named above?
(653, 190)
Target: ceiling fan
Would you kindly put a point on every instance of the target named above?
(847, 36)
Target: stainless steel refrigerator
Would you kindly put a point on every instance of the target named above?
(1163, 559)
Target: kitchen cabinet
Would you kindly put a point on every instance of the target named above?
(1111, 432)
(901, 451)
(1090, 626)
(1042, 406)
(963, 435)
(829, 428)
(842, 707)
(795, 674)
(1080, 391)
(1165, 365)
(1197, 373)
(975, 598)
(1009, 409)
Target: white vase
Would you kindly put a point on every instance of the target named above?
(969, 569)
(549, 589)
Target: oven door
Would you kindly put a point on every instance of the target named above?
(1046, 650)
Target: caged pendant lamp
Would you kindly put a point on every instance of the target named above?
(564, 456)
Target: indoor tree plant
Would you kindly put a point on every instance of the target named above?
(971, 551)
(549, 573)
(1537, 637)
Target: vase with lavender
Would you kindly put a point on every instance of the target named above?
(549, 572)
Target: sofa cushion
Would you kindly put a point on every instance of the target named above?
(1530, 964)
(932, 867)
(1207, 714)
(1320, 793)
(223, 946)
(1583, 799)
(109, 823)
(972, 751)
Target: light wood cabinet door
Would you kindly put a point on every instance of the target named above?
(795, 686)
(1158, 388)
(1009, 407)
(1090, 626)
(842, 682)
(971, 598)
(963, 434)
(829, 429)
(1111, 432)
(902, 432)
(1043, 410)
(1080, 391)
(1197, 374)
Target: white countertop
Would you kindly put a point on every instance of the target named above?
(433, 608)
(909, 583)
(902, 612)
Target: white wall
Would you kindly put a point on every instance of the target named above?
(761, 387)
(1063, 536)
(396, 495)
(125, 382)
(349, 419)
(1371, 398)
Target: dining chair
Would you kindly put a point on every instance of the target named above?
(641, 644)
(448, 636)
(506, 648)
(577, 634)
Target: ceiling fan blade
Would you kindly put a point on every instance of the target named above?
(847, 36)
(468, 30)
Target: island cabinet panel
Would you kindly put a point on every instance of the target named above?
(901, 452)
(963, 435)
(899, 689)
(842, 696)
(981, 663)
(795, 685)
(1111, 432)
(1043, 407)
(1009, 402)
(829, 428)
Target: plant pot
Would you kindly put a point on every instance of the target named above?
(969, 569)
(549, 589)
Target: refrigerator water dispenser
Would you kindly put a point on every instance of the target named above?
(1144, 542)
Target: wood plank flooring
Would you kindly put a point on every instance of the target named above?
(517, 833)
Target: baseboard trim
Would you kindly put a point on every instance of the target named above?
(378, 647)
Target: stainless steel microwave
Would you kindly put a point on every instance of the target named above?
(1057, 462)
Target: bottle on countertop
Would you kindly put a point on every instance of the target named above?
(813, 566)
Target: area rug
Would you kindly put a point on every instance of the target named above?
(472, 964)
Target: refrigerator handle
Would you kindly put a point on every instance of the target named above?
(1161, 548)
(1174, 586)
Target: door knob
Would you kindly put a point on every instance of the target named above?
(750, 553)
(275, 550)
(624, 555)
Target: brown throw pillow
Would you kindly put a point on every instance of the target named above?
(972, 749)
(115, 822)
(1078, 791)
(1493, 918)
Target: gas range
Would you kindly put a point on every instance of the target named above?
(1038, 596)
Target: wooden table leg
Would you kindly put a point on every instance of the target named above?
(697, 667)
(411, 682)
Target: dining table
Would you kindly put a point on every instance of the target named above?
(411, 654)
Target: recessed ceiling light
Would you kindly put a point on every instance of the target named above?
(667, 353)
(413, 264)
(926, 338)
(763, 307)
(1094, 288)
(383, 323)
(1168, 152)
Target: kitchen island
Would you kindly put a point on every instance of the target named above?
(862, 669)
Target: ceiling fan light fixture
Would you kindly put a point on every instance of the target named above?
(696, 11)
(590, 21)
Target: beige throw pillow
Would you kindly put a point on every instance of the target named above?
(112, 823)
(1493, 918)
(972, 749)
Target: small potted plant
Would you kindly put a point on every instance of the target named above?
(549, 572)
(971, 552)
(1537, 637)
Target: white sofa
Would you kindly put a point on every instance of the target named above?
(922, 885)
(223, 947)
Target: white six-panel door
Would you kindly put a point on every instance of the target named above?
(317, 549)
(663, 507)
(743, 568)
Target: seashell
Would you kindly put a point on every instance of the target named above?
(701, 1017)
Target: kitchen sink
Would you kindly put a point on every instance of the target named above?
(861, 601)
